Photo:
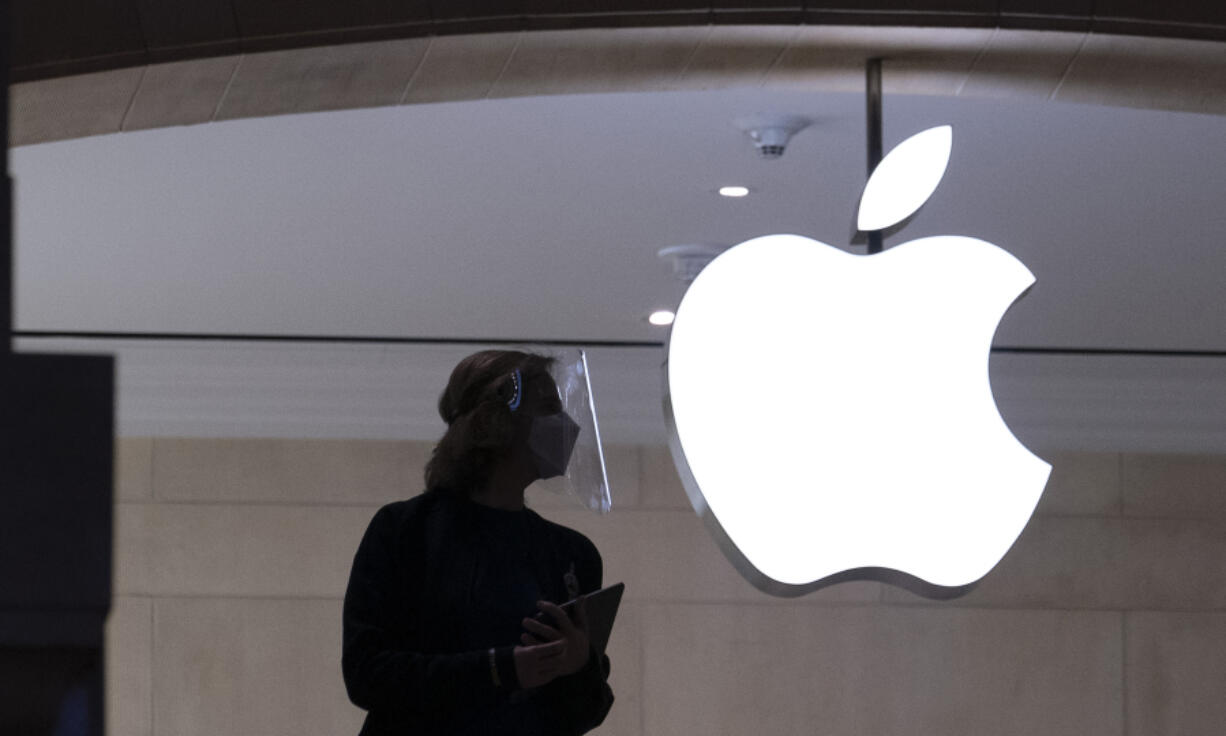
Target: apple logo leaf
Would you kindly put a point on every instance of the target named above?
(905, 179)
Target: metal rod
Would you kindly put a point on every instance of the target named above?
(872, 86)
(1134, 352)
(377, 340)
(331, 339)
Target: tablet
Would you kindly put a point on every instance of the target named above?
(601, 609)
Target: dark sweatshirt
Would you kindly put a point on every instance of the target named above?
(437, 582)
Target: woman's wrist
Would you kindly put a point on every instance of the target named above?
(502, 668)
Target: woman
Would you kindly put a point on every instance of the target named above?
(439, 628)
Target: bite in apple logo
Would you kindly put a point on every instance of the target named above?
(830, 414)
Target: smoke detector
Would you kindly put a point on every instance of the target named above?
(688, 260)
(770, 133)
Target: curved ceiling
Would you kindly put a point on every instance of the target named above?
(542, 216)
(1031, 66)
(538, 216)
(60, 37)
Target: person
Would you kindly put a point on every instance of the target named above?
(440, 631)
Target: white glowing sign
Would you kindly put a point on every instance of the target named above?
(905, 179)
(854, 434)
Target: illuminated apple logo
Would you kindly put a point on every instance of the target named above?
(831, 414)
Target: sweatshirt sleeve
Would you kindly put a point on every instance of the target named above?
(378, 673)
(580, 702)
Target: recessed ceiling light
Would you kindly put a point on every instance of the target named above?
(733, 191)
(661, 318)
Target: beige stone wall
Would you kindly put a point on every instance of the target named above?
(1108, 617)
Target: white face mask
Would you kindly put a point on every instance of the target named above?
(551, 439)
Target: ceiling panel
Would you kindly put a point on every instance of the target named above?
(188, 29)
(64, 34)
(258, 18)
(541, 217)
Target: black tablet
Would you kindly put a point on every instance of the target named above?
(601, 608)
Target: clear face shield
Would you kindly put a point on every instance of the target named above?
(564, 436)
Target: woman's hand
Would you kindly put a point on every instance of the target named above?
(572, 634)
(537, 664)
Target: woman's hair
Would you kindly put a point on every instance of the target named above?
(480, 424)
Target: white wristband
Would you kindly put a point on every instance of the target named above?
(494, 668)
